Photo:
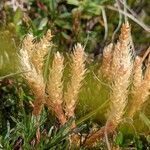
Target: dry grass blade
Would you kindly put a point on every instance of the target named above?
(144, 26)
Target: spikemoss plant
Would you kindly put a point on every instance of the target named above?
(118, 66)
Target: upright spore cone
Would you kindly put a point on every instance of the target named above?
(34, 80)
(77, 75)
(107, 59)
(121, 72)
(141, 87)
(32, 60)
(54, 87)
(55, 79)
(137, 73)
(40, 50)
(28, 44)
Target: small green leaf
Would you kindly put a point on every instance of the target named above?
(63, 24)
(43, 23)
(65, 15)
(53, 5)
(65, 35)
(119, 139)
(73, 2)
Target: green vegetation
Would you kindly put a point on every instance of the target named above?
(94, 24)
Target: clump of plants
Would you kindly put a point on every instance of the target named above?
(121, 70)
(121, 67)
